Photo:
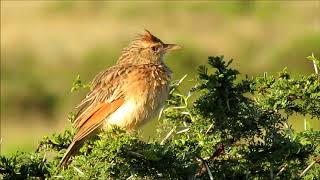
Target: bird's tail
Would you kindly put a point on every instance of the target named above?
(72, 149)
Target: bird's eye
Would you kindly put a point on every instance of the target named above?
(154, 48)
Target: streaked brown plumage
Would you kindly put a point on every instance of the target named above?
(127, 94)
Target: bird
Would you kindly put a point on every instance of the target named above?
(126, 95)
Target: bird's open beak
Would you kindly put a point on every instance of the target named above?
(170, 47)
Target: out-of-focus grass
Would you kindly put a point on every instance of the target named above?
(45, 44)
(288, 53)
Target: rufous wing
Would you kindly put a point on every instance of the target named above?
(90, 122)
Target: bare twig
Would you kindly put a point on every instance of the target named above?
(167, 136)
(307, 169)
(315, 64)
(203, 168)
(160, 113)
(78, 170)
(211, 125)
(209, 171)
(178, 83)
(315, 67)
(183, 130)
(282, 169)
(130, 177)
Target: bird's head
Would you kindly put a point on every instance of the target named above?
(146, 48)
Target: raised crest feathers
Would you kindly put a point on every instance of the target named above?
(147, 36)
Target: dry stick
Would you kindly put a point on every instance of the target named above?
(315, 66)
(316, 69)
(307, 169)
(282, 169)
(167, 136)
(130, 177)
(160, 113)
(184, 130)
(209, 171)
(203, 167)
(209, 128)
(78, 170)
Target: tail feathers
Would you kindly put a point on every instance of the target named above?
(72, 149)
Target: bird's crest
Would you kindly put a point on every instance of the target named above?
(148, 37)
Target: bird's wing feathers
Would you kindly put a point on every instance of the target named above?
(105, 89)
(88, 126)
(105, 97)
(97, 118)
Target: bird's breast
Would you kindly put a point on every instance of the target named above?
(144, 96)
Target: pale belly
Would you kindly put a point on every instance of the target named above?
(138, 109)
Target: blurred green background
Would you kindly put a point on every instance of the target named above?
(45, 44)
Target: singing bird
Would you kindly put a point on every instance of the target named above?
(127, 94)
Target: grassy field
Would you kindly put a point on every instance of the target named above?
(46, 44)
